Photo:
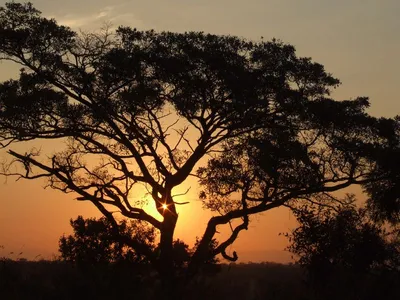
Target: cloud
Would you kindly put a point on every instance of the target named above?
(105, 12)
(109, 14)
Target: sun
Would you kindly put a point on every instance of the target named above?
(164, 206)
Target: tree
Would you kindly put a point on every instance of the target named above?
(93, 241)
(384, 195)
(151, 107)
(211, 259)
(345, 237)
(344, 249)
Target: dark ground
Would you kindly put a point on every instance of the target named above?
(58, 280)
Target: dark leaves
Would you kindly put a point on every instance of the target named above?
(94, 241)
(346, 238)
(26, 105)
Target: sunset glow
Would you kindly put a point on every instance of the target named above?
(356, 43)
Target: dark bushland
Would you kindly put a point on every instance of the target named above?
(61, 280)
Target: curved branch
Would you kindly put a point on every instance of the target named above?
(222, 247)
(135, 214)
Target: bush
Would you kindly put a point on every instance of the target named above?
(94, 241)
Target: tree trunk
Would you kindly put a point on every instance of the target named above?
(166, 262)
(202, 250)
(166, 255)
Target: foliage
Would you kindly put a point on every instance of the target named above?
(181, 253)
(145, 108)
(327, 241)
(210, 258)
(94, 241)
(384, 195)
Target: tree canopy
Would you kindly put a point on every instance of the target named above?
(346, 252)
(251, 120)
(346, 238)
(94, 241)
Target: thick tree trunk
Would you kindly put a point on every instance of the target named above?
(166, 252)
(202, 251)
(166, 262)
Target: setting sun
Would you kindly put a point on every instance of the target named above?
(209, 157)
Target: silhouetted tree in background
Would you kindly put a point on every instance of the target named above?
(93, 241)
(345, 245)
(346, 238)
(181, 253)
(142, 108)
(384, 195)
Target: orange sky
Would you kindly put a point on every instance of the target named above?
(356, 40)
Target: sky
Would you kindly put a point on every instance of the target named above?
(357, 41)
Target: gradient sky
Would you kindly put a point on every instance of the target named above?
(356, 40)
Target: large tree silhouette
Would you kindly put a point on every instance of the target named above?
(254, 122)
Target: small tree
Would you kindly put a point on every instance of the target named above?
(94, 241)
(384, 195)
(142, 108)
(211, 259)
(181, 254)
(342, 239)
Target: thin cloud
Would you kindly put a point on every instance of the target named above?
(114, 14)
